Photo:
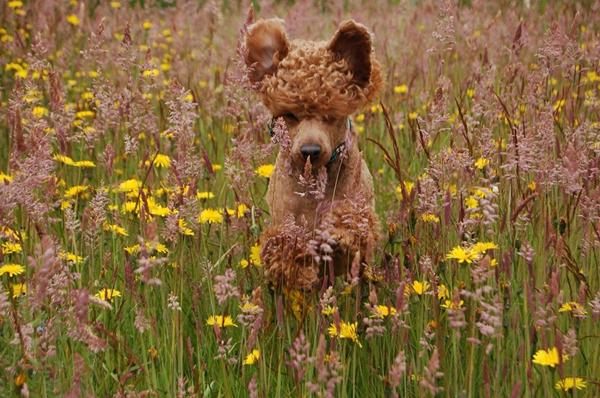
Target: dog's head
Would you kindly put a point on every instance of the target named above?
(314, 86)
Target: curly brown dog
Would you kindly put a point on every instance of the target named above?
(320, 195)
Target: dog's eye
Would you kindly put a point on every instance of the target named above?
(289, 117)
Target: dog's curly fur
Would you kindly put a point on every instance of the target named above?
(319, 84)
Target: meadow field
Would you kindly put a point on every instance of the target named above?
(134, 162)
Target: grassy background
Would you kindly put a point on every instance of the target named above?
(514, 85)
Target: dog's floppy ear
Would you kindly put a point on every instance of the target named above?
(352, 42)
(267, 45)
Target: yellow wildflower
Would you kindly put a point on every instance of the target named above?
(18, 289)
(450, 304)
(401, 89)
(84, 164)
(75, 190)
(428, 217)
(244, 263)
(156, 209)
(73, 20)
(481, 163)
(11, 269)
(71, 258)
(266, 170)
(216, 167)
(382, 311)
(210, 216)
(85, 114)
(329, 310)
(115, 4)
(147, 25)
(205, 195)
(569, 383)
(462, 255)
(443, 292)
(39, 112)
(116, 229)
(107, 294)
(130, 185)
(482, 247)
(15, 4)
(346, 331)
(151, 73)
(413, 116)
(255, 255)
(470, 92)
(420, 287)
(162, 161)
(548, 357)
(408, 186)
(220, 321)
(184, 229)
(5, 178)
(63, 159)
(242, 209)
(471, 202)
(574, 307)
(11, 247)
(252, 357)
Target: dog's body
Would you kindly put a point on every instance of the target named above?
(314, 87)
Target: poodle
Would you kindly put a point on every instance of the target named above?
(320, 196)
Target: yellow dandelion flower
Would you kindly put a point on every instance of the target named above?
(84, 164)
(115, 229)
(255, 255)
(147, 25)
(443, 292)
(11, 269)
(205, 195)
(11, 247)
(151, 73)
(73, 20)
(5, 178)
(63, 159)
(531, 185)
(71, 258)
(573, 306)
(413, 116)
(408, 186)
(420, 287)
(470, 92)
(428, 217)
(548, 357)
(216, 167)
(162, 161)
(134, 249)
(252, 358)
(481, 163)
(346, 331)
(15, 4)
(220, 321)
(266, 170)
(451, 305)
(107, 294)
(401, 89)
(184, 229)
(242, 209)
(471, 202)
(461, 255)
(210, 216)
(160, 248)
(569, 383)
(244, 263)
(18, 289)
(115, 4)
(156, 209)
(131, 185)
(481, 247)
(39, 112)
(76, 190)
(382, 311)
(329, 310)
(85, 114)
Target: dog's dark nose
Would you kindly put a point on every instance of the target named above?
(312, 150)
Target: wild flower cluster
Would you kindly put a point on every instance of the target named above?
(134, 163)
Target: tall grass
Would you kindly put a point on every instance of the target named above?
(114, 272)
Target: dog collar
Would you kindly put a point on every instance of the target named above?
(336, 152)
